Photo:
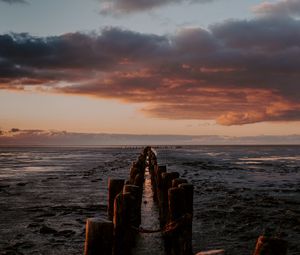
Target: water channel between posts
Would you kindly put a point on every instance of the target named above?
(150, 243)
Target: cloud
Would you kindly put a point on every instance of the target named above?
(14, 130)
(282, 8)
(130, 6)
(235, 72)
(52, 138)
(14, 1)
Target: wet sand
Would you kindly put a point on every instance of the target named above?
(47, 194)
(45, 206)
(152, 243)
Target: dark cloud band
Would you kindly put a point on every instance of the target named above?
(129, 6)
(14, 1)
(237, 72)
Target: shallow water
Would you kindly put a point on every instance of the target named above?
(47, 193)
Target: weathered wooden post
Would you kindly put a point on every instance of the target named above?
(152, 158)
(115, 186)
(159, 171)
(128, 212)
(166, 183)
(152, 167)
(141, 163)
(189, 196)
(153, 181)
(118, 225)
(159, 191)
(139, 180)
(122, 224)
(133, 173)
(135, 192)
(151, 171)
(176, 182)
(270, 246)
(188, 226)
(176, 203)
(177, 210)
(99, 237)
(173, 175)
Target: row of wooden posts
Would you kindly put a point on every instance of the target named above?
(174, 196)
(117, 234)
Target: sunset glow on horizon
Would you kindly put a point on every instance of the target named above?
(233, 73)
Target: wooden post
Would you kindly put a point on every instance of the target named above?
(189, 196)
(141, 163)
(270, 246)
(167, 180)
(152, 158)
(166, 183)
(128, 212)
(176, 203)
(118, 225)
(99, 237)
(133, 173)
(174, 175)
(159, 192)
(153, 182)
(177, 181)
(134, 189)
(176, 212)
(122, 225)
(151, 171)
(136, 194)
(139, 180)
(188, 227)
(159, 171)
(115, 186)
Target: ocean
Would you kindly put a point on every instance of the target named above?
(46, 194)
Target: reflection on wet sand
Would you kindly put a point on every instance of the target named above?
(149, 244)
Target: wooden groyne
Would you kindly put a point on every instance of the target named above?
(173, 195)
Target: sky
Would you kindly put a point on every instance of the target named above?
(180, 67)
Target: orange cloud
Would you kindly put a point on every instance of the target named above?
(282, 7)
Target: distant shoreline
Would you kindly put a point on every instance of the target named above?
(166, 146)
